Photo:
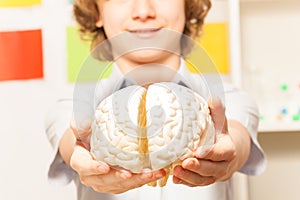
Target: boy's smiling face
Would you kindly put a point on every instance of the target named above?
(143, 19)
(136, 16)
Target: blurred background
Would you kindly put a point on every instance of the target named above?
(258, 49)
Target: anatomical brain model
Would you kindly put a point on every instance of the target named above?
(155, 128)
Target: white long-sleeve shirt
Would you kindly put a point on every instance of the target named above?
(239, 106)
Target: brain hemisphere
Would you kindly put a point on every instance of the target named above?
(138, 128)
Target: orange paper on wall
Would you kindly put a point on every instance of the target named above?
(21, 55)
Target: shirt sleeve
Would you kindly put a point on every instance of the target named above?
(79, 108)
(241, 107)
(56, 123)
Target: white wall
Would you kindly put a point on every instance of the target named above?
(282, 177)
(270, 52)
(24, 150)
(270, 57)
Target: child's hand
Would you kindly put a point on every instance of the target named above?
(215, 166)
(228, 154)
(98, 175)
(82, 132)
(102, 178)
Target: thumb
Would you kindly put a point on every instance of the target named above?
(217, 111)
(82, 131)
(83, 162)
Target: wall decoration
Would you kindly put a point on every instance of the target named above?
(213, 42)
(21, 55)
(80, 61)
(19, 3)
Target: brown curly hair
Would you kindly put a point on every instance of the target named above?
(86, 14)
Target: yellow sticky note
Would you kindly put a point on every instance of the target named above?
(19, 3)
(215, 43)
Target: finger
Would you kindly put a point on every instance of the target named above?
(123, 173)
(152, 175)
(132, 178)
(184, 183)
(82, 131)
(218, 114)
(116, 180)
(146, 175)
(192, 177)
(177, 180)
(81, 126)
(223, 150)
(141, 179)
(111, 182)
(85, 165)
(206, 167)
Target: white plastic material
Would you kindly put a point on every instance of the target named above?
(178, 121)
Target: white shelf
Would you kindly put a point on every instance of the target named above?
(279, 127)
(270, 60)
(242, 1)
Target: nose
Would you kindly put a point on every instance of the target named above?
(143, 10)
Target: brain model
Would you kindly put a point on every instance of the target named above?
(139, 128)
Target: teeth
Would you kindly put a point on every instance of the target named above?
(144, 33)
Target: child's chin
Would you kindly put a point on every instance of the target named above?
(147, 56)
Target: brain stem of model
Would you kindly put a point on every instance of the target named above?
(152, 128)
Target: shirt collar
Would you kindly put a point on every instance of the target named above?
(116, 76)
(182, 77)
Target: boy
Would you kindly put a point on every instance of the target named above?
(236, 148)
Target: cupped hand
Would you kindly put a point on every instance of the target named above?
(105, 179)
(221, 161)
(82, 131)
(99, 175)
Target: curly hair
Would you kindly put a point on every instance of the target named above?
(86, 14)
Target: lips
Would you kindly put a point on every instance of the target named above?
(145, 33)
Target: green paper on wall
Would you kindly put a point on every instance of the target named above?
(19, 3)
(80, 66)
